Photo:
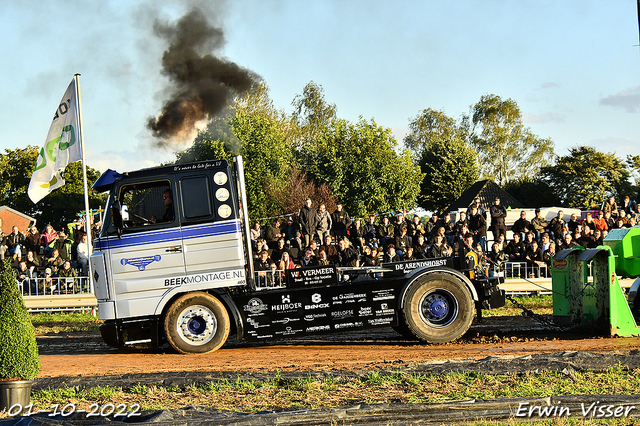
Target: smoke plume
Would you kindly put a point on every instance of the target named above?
(201, 83)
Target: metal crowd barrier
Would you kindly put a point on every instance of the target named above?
(270, 279)
(58, 294)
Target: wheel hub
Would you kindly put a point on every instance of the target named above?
(438, 308)
(197, 325)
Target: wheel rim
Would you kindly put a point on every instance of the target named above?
(438, 308)
(197, 325)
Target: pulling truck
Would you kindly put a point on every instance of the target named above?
(173, 263)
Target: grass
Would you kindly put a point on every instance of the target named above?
(64, 322)
(307, 392)
(542, 305)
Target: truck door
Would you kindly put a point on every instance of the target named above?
(150, 247)
(211, 227)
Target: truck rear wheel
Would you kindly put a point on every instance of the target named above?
(438, 308)
(196, 323)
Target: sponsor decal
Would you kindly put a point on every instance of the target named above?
(560, 264)
(347, 313)
(286, 307)
(317, 328)
(316, 298)
(380, 321)
(383, 294)
(409, 266)
(255, 306)
(384, 310)
(288, 331)
(141, 262)
(318, 306)
(256, 324)
(365, 311)
(348, 325)
(312, 317)
(204, 278)
(285, 320)
(286, 298)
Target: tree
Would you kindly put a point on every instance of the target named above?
(311, 114)
(267, 159)
(507, 149)
(359, 162)
(205, 147)
(450, 168)
(429, 125)
(297, 188)
(58, 208)
(585, 177)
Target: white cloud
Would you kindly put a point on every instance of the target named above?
(628, 99)
(545, 117)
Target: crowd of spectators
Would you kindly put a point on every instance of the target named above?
(316, 237)
(44, 262)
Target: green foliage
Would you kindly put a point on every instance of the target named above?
(507, 149)
(205, 147)
(312, 114)
(57, 208)
(450, 167)
(432, 125)
(359, 162)
(267, 159)
(18, 349)
(586, 176)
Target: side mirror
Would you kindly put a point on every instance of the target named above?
(116, 217)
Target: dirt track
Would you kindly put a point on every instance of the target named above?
(86, 355)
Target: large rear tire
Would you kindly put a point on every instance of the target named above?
(438, 308)
(196, 323)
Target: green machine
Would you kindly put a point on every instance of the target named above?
(599, 300)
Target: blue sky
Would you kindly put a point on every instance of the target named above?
(573, 67)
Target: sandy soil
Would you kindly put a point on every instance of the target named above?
(86, 355)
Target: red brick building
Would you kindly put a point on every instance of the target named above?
(10, 217)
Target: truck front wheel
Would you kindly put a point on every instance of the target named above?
(438, 308)
(196, 323)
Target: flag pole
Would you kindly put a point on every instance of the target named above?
(87, 226)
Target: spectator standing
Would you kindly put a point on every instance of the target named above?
(84, 252)
(478, 205)
(557, 225)
(390, 255)
(460, 223)
(370, 232)
(356, 234)
(308, 218)
(415, 228)
(386, 232)
(431, 228)
(610, 206)
(49, 236)
(522, 225)
(498, 259)
(340, 221)
(540, 225)
(629, 206)
(449, 231)
(478, 226)
(323, 224)
(498, 214)
(402, 242)
(534, 260)
(63, 245)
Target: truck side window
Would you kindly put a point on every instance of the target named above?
(146, 204)
(196, 197)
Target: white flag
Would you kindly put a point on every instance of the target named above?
(61, 147)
